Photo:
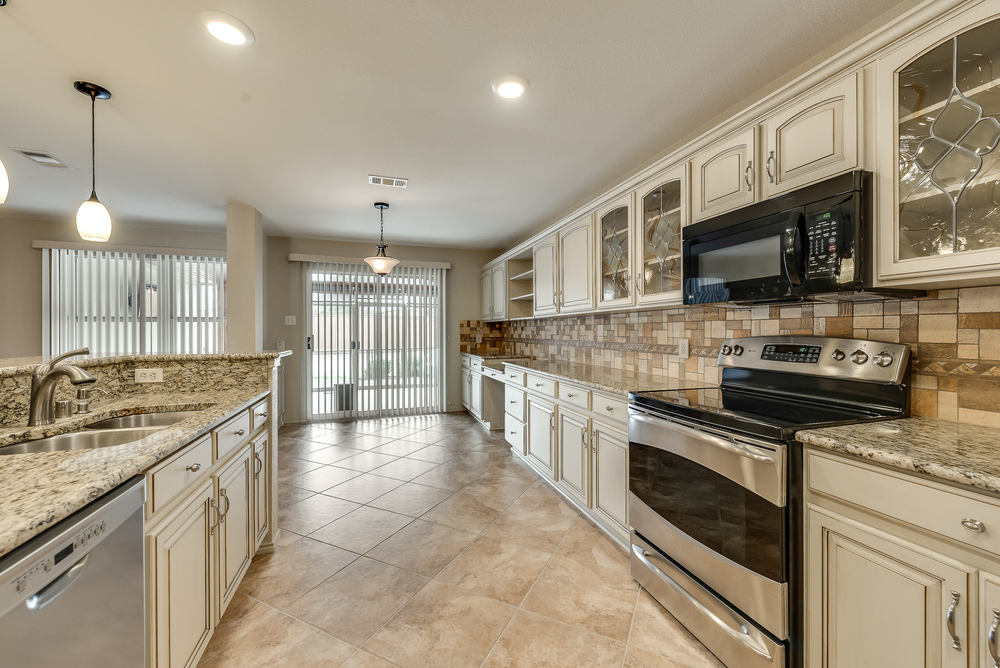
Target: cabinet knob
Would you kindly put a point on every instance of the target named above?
(608, 408)
(239, 432)
(263, 415)
(569, 394)
(193, 468)
(513, 401)
(975, 526)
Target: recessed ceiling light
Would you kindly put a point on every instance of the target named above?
(510, 85)
(226, 28)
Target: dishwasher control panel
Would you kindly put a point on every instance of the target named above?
(34, 577)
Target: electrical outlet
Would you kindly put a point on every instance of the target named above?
(289, 319)
(149, 375)
(479, 338)
(280, 345)
(684, 348)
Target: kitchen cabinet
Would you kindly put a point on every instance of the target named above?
(938, 133)
(486, 284)
(811, 139)
(493, 282)
(661, 212)
(988, 614)
(723, 175)
(467, 389)
(574, 454)
(575, 287)
(235, 526)
(541, 428)
(476, 396)
(614, 243)
(545, 276)
(610, 478)
(180, 558)
(261, 476)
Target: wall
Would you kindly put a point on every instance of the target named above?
(955, 336)
(284, 296)
(21, 271)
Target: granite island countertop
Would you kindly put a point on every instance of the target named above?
(41, 489)
(966, 454)
(483, 355)
(609, 380)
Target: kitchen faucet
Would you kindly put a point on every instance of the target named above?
(43, 385)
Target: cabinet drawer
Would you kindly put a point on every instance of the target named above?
(477, 365)
(258, 415)
(513, 433)
(231, 435)
(575, 395)
(493, 373)
(541, 385)
(515, 377)
(910, 500)
(610, 409)
(174, 476)
(513, 402)
(466, 362)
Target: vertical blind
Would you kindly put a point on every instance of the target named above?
(134, 303)
(376, 343)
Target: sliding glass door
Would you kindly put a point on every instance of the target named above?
(375, 344)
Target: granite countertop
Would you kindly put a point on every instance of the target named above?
(493, 356)
(14, 366)
(40, 489)
(967, 454)
(609, 380)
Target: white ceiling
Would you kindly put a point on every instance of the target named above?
(332, 91)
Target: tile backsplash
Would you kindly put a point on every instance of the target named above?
(955, 335)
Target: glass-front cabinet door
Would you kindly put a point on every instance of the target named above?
(939, 134)
(614, 230)
(661, 212)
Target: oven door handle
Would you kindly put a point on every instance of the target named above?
(729, 446)
(792, 255)
(743, 636)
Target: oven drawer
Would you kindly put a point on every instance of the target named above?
(542, 385)
(575, 395)
(610, 409)
(921, 503)
(513, 402)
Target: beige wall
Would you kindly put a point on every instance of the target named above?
(21, 271)
(284, 296)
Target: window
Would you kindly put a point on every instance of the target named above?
(133, 303)
(376, 343)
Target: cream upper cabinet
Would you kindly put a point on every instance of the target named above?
(882, 602)
(939, 162)
(498, 280)
(486, 285)
(544, 262)
(616, 286)
(574, 455)
(723, 175)
(610, 482)
(812, 139)
(576, 267)
(661, 212)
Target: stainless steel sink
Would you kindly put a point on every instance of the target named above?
(80, 440)
(142, 420)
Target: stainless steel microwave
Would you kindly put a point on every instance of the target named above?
(813, 244)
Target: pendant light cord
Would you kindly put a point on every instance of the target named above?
(93, 142)
(381, 224)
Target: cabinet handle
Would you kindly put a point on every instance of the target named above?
(595, 436)
(608, 408)
(193, 468)
(539, 384)
(638, 285)
(955, 643)
(513, 401)
(767, 166)
(239, 432)
(583, 436)
(552, 421)
(222, 517)
(512, 433)
(258, 467)
(992, 639)
(748, 176)
(975, 526)
(218, 514)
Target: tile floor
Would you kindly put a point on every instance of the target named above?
(422, 542)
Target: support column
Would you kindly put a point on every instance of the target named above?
(244, 279)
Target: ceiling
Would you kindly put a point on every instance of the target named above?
(333, 91)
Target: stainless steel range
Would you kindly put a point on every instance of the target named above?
(715, 498)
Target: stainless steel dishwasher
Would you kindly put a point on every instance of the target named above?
(74, 594)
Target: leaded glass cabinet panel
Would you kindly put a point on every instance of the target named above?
(615, 243)
(944, 205)
(661, 213)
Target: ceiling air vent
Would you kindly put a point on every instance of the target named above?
(41, 157)
(390, 181)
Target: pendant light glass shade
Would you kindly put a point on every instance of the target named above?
(381, 263)
(93, 220)
(4, 184)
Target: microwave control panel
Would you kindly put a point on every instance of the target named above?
(823, 233)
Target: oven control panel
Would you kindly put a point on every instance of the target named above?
(857, 359)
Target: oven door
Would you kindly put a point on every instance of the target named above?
(716, 504)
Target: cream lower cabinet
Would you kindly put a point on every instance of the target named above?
(885, 603)
(476, 394)
(180, 556)
(610, 479)
(541, 428)
(467, 388)
(261, 495)
(236, 525)
(574, 454)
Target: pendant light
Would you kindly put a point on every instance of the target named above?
(92, 219)
(381, 263)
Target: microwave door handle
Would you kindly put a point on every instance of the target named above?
(792, 252)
